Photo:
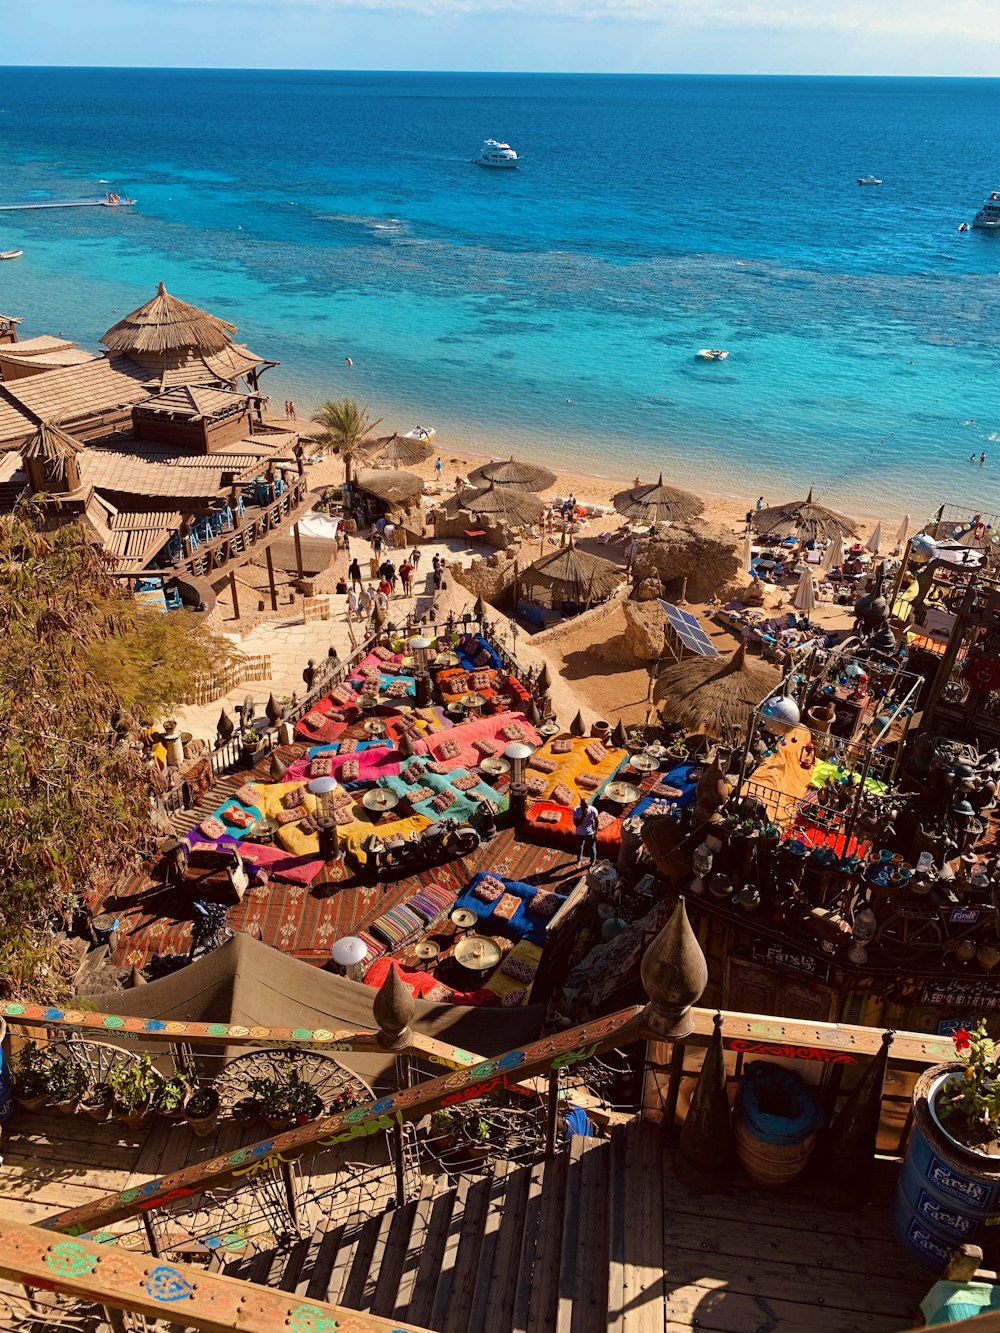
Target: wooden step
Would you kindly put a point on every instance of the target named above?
(644, 1308)
(572, 1206)
(431, 1262)
(587, 1273)
(618, 1206)
(544, 1281)
(526, 1254)
(496, 1290)
(470, 1242)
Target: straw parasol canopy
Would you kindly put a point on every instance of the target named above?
(804, 519)
(706, 698)
(396, 451)
(166, 324)
(51, 444)
(512, 472)
(573, 575)
(657, 503)
(501, 504)
(391, 487)
(804, 598)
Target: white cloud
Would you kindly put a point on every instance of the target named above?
(961, 20)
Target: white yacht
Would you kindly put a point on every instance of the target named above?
(869, 180)
(988, 217)
(496, 154)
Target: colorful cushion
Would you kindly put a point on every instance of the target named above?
(466, 783)
(549, 816)
(291, 816)
(596, 752)
(562, 747)
(545, 903)
(489, 889)
(444, 801)
(562, 794)
(413, 772)
(419, 794)
(351, 770)
(518, 969)
(348, 745)
(535, 786)
(293, 798)
(212, 827)
(486, 748)
(247, 794)
(340, 799)
(507, 906)
(449, 749)
(543, 765)
(514, 997)
(588, 781)
(321, 766)
(513, 731)
(344, 815)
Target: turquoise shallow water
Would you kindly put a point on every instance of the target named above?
(556, 308)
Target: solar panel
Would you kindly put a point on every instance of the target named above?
(688, 630)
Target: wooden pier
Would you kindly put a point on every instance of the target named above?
(68, 203)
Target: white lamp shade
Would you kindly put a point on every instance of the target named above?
(419, 643)
(517, 752)
(349, 950)
(322, 786)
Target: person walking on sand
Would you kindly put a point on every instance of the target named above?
(415, 558)
(377, 542)
(439, 467)
(353, 605)
(287, 413)
(291, 411)
(405, 574)
(354, 570)
(585, 820)
(760, 503)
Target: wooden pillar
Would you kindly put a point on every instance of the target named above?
(270, 580)
(298, 550)
(232, 589)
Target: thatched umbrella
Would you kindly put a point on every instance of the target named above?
(166, 324)
(512, 472)
(500, 504)
(51, 444)
(712, 699)
(573, 575)
(803, 519)
(393, 488)
(396, 451)
(657, 503)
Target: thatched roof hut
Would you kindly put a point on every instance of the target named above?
(657, 503)
(512, 472)
(571, 575)
(805, 520)
(392, 488)
(498, 504)
(166, 325)
(709, 698)
(51, 444)
(395, 451)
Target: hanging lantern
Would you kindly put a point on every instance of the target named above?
(780, 714)
(702, 862)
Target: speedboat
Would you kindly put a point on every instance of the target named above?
(869, 180)
(496, 154)
(988, 217)
(964, 226)
(420, 433)
(712, 353)
(11, 254)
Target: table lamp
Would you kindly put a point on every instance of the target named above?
(419, 646)
(329, 841)
(348, 952)
(518, 755)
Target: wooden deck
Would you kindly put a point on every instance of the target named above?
(604, 1237)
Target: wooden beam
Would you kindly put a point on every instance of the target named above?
(270, 577)
(298, 550)
(111, 1276)
(557, 1052)
(236, 599)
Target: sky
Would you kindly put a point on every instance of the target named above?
(918, 37)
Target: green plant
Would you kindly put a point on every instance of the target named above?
(971, 1106)
(443, 1121)
(480, 1130)
(32, 1069)
(67, 1079)
(346, 426)
(285, 1095)
(202, 1102)
(172, 1092)
(133, 1084)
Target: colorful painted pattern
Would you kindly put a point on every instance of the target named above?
(556, 1052)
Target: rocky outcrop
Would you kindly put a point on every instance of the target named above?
(490, 577)
(645, 626)
(706, 554)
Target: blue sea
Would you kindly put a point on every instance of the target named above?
(554, 310)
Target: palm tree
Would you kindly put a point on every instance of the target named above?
(346, 426)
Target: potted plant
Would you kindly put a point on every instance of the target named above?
(171, 1095)
(132, 1085)
(96, 1101)
(31, 1077)
(285, 1099)
(67, 1081)
(948, 1190)
(444, 1128)
(201, 1109)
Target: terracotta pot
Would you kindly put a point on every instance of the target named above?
(205, 1124)
(30, 1103)
(97, 1107)
(67, 1107)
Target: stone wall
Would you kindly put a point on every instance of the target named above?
(706, 554)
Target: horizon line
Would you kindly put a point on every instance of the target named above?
(501, 73)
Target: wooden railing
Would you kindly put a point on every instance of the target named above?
(120, 1280)
(257, 526)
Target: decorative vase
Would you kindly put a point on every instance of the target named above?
(947, 1192)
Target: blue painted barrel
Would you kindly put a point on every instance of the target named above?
(6, 1080)
(942, 1199)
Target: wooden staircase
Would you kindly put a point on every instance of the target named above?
(604, 1238)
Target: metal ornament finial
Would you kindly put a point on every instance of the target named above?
(674, 974)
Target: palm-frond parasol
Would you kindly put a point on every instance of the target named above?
(574, 575)
(512, 472)
(803, 519)
(51, 444)
(166, 324)
(392, 487)
(502, 504)
(712, 699)
(396, 451)
(657, 503)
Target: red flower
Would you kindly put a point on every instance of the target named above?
(961, 1040)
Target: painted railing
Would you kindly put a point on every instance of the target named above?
(119, 1280)
(256, 528)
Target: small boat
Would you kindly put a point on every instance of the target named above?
(712, 353)
(964, 226)
(420, 433)
(869, 180)
(988, 217)
(496, 154)
(11, 254)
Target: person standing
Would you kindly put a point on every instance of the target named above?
(415, 558)
(381, 608)
(354, 571)
(388, 532)
(309, 674)
(748, 521)
(585, 820)
(405, 574)
(760, 503)
(353, 605)
(439, 467)
(377, 543)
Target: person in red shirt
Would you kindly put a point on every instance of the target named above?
(405, 574)
(385, 587)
